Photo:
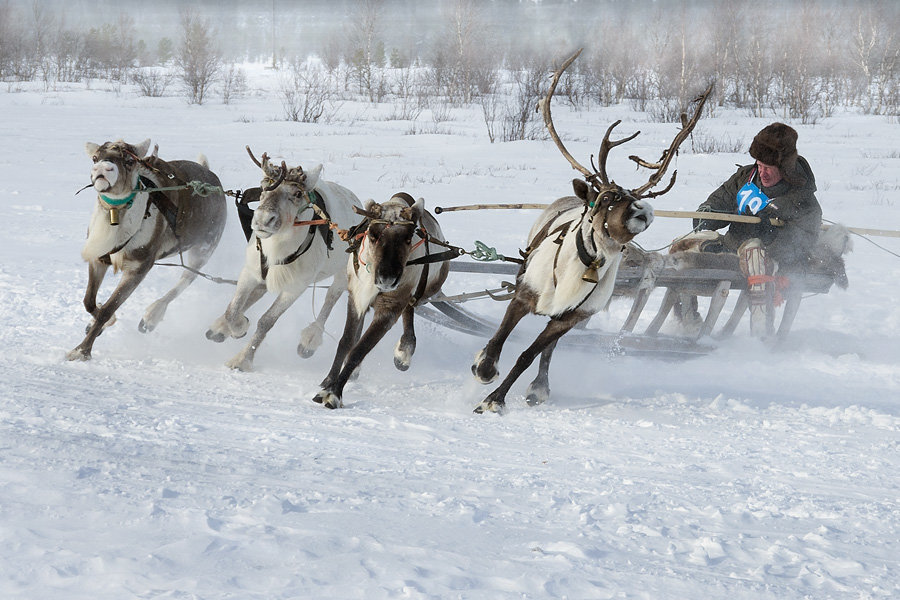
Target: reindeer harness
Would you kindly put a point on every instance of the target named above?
(317, 204)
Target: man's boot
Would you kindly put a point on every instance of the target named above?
(758, 269)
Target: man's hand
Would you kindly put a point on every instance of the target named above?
(768, 213)
(703, 224)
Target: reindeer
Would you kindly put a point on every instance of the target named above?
(291, 249)
(573, 253)
(133, 226)
(390, 269)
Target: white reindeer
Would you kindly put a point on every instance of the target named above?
(133, 226)
(291, 248)
(572, 257)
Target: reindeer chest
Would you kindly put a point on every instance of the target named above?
(569, 270)
(135, 227)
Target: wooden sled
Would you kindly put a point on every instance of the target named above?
(714, 276)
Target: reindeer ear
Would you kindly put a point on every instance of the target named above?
(417, 210)
(141, 149)
(581, 188)
(91, 148)
(584, 191)
(373, 208)
(312, 177)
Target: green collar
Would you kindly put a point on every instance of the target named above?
(127, 200)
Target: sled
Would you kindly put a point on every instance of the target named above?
(641, 274)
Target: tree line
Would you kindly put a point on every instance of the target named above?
(797, 60)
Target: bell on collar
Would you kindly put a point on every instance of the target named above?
(592, 273)
(113, 216)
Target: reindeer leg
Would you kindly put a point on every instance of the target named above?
(385, 317)
(96, 273)
(485, 366)
(129, 281)
(311, 336)
(406, 345)
(156, 311)
(352, 331)
(233, 322)
(555, 329)
(539, 389)
(243, 360)
(196, 257)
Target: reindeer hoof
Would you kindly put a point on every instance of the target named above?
(78, 354)
(402, 365)
(494, 406)
(239, 364)
(328, 400)
(144, 327)
(484, 370)
(537, 394)
(217, 337)
(305, 352)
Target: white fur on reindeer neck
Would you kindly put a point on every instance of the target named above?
(119, 211)
(556, 272)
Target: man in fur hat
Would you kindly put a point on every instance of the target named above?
(778, 185)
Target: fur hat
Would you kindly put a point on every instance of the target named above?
(776, 145)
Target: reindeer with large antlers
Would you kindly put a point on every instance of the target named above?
(573, 254)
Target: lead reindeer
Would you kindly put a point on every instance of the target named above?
(290, 249)
(133, 226)
(391, 271)
(572, 256)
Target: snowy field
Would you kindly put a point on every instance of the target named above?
(153, 471)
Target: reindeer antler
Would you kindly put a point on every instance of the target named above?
(544, 106)
(605, 146)
(660, 166)
(280, 175)
(253, 158)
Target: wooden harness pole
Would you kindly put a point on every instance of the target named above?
(675, 214)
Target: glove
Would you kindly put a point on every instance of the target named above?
(769, 212)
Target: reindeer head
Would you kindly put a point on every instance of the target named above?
(616, 212)
(285, 193)
(115, 171)
(389, 237)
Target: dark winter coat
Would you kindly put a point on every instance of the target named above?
(795, 204)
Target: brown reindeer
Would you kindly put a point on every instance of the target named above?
(133, 226)
(573, 253)
(390, 271)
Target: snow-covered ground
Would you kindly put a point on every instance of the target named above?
(152, 471)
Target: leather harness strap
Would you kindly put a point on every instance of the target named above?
(319, 225)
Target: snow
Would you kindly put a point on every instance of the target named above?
(153, 471)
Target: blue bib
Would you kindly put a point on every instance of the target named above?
(751, 199)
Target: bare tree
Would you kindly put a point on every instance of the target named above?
(727, 21)
(755, 74)
(796, 65)
(408, 87)
(367, 56)
(152, 81)
(306, 93)
(877, 55)
(234, 83)
(198, 59)
(462, 63)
